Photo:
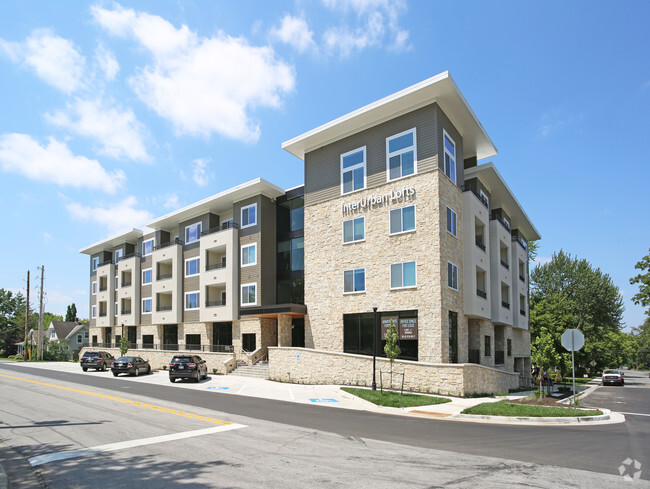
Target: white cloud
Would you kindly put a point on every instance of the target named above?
(53, 58)
(295, 32)
(47, 237)
(115, 217)
(201, 85)
(118, 131)
(171, 202)
(200, 173)
(107, 62)
(55, 163)
(542, 260)
(377, 22)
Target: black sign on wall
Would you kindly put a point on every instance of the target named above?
(407, 328)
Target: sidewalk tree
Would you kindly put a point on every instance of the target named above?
(125, 344)
(391, 348)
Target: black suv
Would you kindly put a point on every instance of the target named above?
(187, 367)
(99, 360)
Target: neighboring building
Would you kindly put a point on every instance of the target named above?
(73, 333)
(395, 214)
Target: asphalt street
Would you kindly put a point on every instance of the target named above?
(297, 443)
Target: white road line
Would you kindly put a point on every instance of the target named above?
(635, 414)
(291, 394)
(242, 389)
(55, 456)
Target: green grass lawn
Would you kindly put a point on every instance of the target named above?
(504, 408)
(394, 399)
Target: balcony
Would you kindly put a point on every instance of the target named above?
(164, 276)
(480, 244)
(176, 241)
(505, 304)
(481, 293)
(103, 289)
(102, 314)
(163, 308)
(223, 227)
(521, 243)
(474, 190)
(126, 284)
(130, 255)
(126, 312)
(501, 221)
(107, 262)
(215, 303)
(522, 312)
(215, 266)
(522, 278)
(499, 357)
(505, 265)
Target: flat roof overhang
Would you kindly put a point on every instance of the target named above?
(126, 237)
(440, 88)
(218, 203)
(273, 311)
(503, 198)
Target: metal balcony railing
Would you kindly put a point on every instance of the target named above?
(215, 303)
(480, 244)
(102, 314)
(224, 226)
(474, 190)
(522, 312)
(522, 278)
(164, 276)
(505, 265)
(481, 293)
(176, 241)
(126, 312)
(501, 221)
(126, 284)
(214, 266)
(505, 304)
(163, 308)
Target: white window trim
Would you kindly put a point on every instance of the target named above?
(352, 168)
(200, 224)
(453, 157)
(152, 246)
(415, 219)
(93, 287)
(116, 281)
(115, 309)
(254, 262)
(95, 263)
(241, 216)
(117, 255)
(403, 287)
(142, 305)
(454, 267)
(455, 216)
(198, 300)
(354, 240)
(93, 312)
(484, 195)
(399, 152)
(198, 267)
(142, 276)
(241, 294)
(354, 292)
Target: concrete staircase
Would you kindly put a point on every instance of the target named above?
(260, 370)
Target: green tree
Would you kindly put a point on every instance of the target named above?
(10, 330)
(71, 313)
(58, 351)
(643, 280)
(125, 344)
(569, 293)
(48, 317)
(391, 348)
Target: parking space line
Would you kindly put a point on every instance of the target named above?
(125, 401)
(56, 456)
(635, 414)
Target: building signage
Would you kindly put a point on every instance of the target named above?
(368, 202)
(407, 328)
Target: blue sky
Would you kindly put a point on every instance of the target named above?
(112, 114)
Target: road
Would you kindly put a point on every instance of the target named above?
(281, 444)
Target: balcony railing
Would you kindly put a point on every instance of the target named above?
(522, 278)
(126, 284)
(522, 312)
(501, 221)
(499, 357)
(521, 243)
(214, 266)
(103, 289)
(163, 308)
(167, 347)
(176, 241)
(481, 293)
(164, 276)
(224, 226)
(474, 190)
(102, 314)
(505, 265)
(480, 244)
(130, 255)
(215, 303)
(126, 312)
(107, 262)
(505, 304)
(474, 356)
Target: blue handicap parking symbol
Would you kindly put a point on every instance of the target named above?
(214, 388)
(323, 400)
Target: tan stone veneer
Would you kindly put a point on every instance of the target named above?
(306, 366)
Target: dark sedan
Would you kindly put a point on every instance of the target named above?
(188, 367)
(130, 365)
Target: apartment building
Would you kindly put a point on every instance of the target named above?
(397, 223)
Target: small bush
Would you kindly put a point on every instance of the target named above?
(164, 367)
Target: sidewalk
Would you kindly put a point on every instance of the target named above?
(324, 395)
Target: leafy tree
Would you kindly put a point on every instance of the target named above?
(125, 344)
(569, 293)
(643, 280)
(10, 330)
(48, 317)
(641, 337)
(71, 313)
(391, 348)
(58, 351)
(533, 248)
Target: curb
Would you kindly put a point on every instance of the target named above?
(606, 416)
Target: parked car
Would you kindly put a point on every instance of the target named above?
(187, 367)
(613, 376)
(99, 360)
(130, 365)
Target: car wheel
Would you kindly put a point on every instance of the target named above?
(172, 380)
(198, 378)
(103, 367)
(148, 370)
(115, 374)
(85, 369)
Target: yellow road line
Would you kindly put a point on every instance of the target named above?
(125, 401)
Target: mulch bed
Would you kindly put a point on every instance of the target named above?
(546, 401)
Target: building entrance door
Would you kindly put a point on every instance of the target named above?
(248, 342)
(170, 337)
(298, 332)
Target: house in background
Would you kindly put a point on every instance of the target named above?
(73, 333)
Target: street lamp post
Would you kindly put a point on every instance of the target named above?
(122, 322)
(374, 345)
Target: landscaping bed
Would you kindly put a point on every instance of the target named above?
(532, 409)
(394, 399)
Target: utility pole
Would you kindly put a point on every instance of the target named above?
(40, 319)
(26, 348)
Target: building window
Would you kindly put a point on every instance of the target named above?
(488, 351)
(94, 312)
(354, 281)
(402, 220)
(193, 232)
(115, 309)
(146, 276)
(146, 305)
(452, 276)
(95, 263)
(94, 288)
(115, 282)
(353, 170)
(147, 247)
(291, 255)
(401, 155)
(354, 230)
(451, 221)
(192, 267)
(191, 300)
(509, 347)
(248, 294)
(453, 337)
(78, 338)
(249, 216)
(402, 275)
(249, 255)
(118, 254)
(450, 156)
(86, 335)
